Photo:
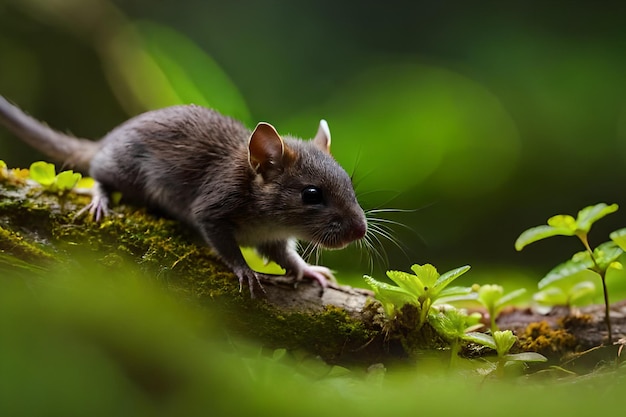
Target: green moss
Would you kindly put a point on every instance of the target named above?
(15, 244)
(331, 333)
(412, 338)
(160, 245)
(176, 258)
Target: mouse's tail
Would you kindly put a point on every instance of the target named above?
(72, 152)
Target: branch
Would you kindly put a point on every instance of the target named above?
(342, 324)
(39, 228)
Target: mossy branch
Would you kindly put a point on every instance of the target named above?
(39, 230)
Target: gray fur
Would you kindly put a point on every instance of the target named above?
(193, 163)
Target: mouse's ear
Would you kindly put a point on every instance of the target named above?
(322, 137)
(265, 149)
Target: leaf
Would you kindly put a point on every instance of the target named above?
(579, 262)
(508, 298)
(480, 338)
(452, 323)
(66, 180)
(551, 296)
(450, 327)
(42, 172)
(457, 291)
(390, 296)
(452, 294)
(444, 280)
(489, 295)
(580, 291)
(563, 221)
(563, 224)
(606, 254)
(85, 183)
(409, 282)
(427, 274)
(504, 341)
(619, 237)
(260, 264)
(540, 232)
(589, 215)
(525, 357)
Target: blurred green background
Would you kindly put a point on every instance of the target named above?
(104, 340)
(484, 119)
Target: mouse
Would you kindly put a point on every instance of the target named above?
(234, 186)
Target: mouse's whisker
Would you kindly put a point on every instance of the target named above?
(307, 251)
(366, 247)
(314, 248)
(318, 254)
(386, 233)
(390, 210)
(381, 229)
(374, 246)
(380, 221)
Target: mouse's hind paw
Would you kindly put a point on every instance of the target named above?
(98, 208)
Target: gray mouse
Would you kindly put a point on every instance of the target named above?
(235, 187)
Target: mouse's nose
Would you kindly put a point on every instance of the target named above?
(358, 229)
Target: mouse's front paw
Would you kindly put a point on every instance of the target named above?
(248, 276)
(319, 273)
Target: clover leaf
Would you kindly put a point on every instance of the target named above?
(42, 172)
(66, 180)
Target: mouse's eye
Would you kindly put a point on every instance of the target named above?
(312, 195)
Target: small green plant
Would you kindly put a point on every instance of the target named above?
(566, 292)
(600, 260)
(502, 341)
(44, 173)
(455, 325)
(494, 300)
(422, 288)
